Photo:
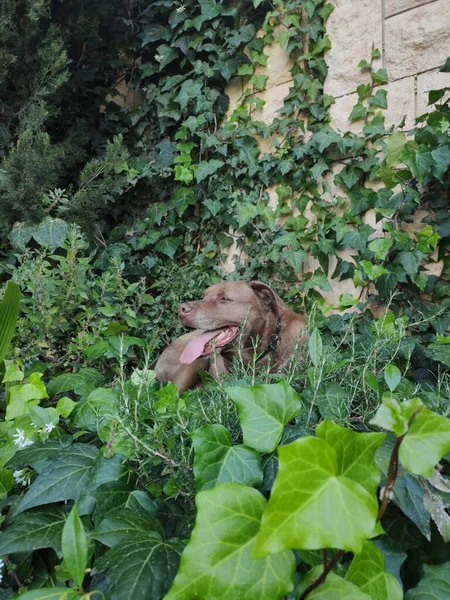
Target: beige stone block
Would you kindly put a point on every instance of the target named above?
(401, 103)
(233, 90)
(418, 40)
(392, 7)
(279, 64)
(352, 27)
(274, 100)
(427, 82)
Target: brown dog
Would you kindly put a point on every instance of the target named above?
(246, 312)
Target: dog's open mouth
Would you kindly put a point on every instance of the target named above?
(208, 342)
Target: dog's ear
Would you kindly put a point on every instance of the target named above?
(265, 294)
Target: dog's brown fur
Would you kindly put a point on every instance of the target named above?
(254, 307)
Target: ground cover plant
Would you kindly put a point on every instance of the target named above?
(329, 480)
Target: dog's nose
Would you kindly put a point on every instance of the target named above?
(184, 309)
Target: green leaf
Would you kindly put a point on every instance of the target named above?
(434, 585)
(264, 410)
(420, 162)
(207, 168)
(367, 572)
(166, 55)
(141, 567)
(332, 401)
(410, 261)
(65, 406)
(336, 468)
(168, 246)
(217, 562)
(393, 416)
(446, 67)
(6, 482)
(394, 148)
(441, 157)
(381, 247)
(372, 271)
(295, 258)
(64, 478)
(217, 461)
(426, 443)
(155, 32)
(51, 233)
(359, 111)
(259, 81)
(379, 99)
(436, 507)
(74, 544)
(34, 529)
(380, 76)
(21, 234)
(392, 376)
(9, 311)
(315, 347)
(121, 524)
(334, 587)
(54, 593)
(96, 411)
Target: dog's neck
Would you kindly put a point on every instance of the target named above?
(273, 342)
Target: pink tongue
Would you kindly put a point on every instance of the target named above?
(196, 346)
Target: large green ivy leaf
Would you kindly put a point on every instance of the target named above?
(207, 168)
(420, 162)
(264, 410)
(321, 497)
(120, 524)
(168, 246)
(51, 232)
(394, 147)
(141, 567)
(64, 478)
(39, 454)
(9, 311)
(367, 571)
(334, 587)
(217, 562)
(94, 412)
(55, 593)
(427, 438)
(410, 260)
(218, 461)
(37, 528)
(434, 585)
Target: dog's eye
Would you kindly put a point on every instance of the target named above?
(226, 300)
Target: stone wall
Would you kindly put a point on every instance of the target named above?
(413, 37)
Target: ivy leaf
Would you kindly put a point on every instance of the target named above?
(323, 139)
(64, 478)
(155, 32)
(121, 524)
(333, 588)
(51, 232)
(207, 168)
(6, 482)
(148, 570)
(182, 198)
(53, 593)
(435, 584)
(95, 412)
(379, 99)
(441, 157)
(328, 470)
(410, 261)
(372, 271)
(259, 81)
(168, 246)
(264, 410)
(74, 545)
(34, 529)
(394, 148)
(420, 162)
(295, 258)
(381, 247)
(217, 562)
(359, 111)
(217, 461)
(213, 206)
(167, 55)
(367, 572)
(436, 507)
(392, 376)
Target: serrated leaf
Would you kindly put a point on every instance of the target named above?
(217, 562)
(148, 570)
(207, 168)
(9, 311)
(264, 410)
(392, 376)
(434, 585)
(336, 468)
(74, 544)
(51, 232)
(367, 572)
(63, 479)
(34, 529)
(218, 461)
(334, 587)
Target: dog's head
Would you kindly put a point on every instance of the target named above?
(224, 311)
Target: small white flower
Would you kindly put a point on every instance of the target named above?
(159, 57)
(49, 427)
(20, 480)
(180, 9)
(2, 563)
(20, 440)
